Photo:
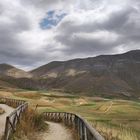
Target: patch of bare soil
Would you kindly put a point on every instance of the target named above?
(1, 111)
(5, 94)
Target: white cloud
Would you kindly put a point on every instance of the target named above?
(99, 35)
(90, 28)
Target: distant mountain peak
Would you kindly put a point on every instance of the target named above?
(9, 70)
(4, 65)
(105, 75)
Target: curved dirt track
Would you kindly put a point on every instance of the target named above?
(58, 131)
(7, 110)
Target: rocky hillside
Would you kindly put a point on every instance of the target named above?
(106, 74)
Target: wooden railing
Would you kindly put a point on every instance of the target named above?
(12, 102)
(14, 118)
(83, 128)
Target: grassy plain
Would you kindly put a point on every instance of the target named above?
(115, 119)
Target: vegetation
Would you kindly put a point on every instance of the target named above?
(115, 119)
(30, 126)
(106, 76)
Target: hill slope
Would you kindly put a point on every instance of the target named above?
(8, 70)
(106, 75)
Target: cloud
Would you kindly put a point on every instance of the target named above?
(35, 32)
(79, 35)
(47, 5)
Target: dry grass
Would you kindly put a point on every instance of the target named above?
(120, 135)
(112, 133)
(30, 126)
(5, 94)
(1, 111)
(28, 95)
(121, 112)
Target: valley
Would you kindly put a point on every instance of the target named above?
(113, 118)
(69, 69)
(105, 90)
(107, 76)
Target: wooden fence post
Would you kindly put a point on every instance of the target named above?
(14, 117)
(6, 128)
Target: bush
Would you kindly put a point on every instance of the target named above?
(32, 123)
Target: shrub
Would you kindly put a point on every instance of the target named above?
(32, 123)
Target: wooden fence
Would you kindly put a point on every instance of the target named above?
(12, 102)
(83, 128)
(14, 118)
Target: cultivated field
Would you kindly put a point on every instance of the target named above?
(115, 119)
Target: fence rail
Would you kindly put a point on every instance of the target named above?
(14, 118)
(84, 129)
(12, 102)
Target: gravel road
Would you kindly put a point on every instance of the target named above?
(58, 131)
(7, 110)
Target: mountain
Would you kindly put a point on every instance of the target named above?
(11, 71)
(116, 76)
(105, 75)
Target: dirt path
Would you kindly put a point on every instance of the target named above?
(7, 110)
(110, 106)
(58, 131)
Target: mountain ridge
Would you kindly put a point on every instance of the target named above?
(9, 70)
(105, 75)
(77, 59)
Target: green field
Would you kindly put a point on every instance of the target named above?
(115, 119)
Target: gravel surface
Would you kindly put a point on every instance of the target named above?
(7, 110)
(58, 131)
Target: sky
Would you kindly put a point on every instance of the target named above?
(36, 32)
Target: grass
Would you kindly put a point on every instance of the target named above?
(30, 95)
(114, 119)
(31, 125)
(110, 133)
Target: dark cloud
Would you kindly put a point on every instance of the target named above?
(13, 49)
(48, 4)
(123, 23)
(88, 28)
(89, 46)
